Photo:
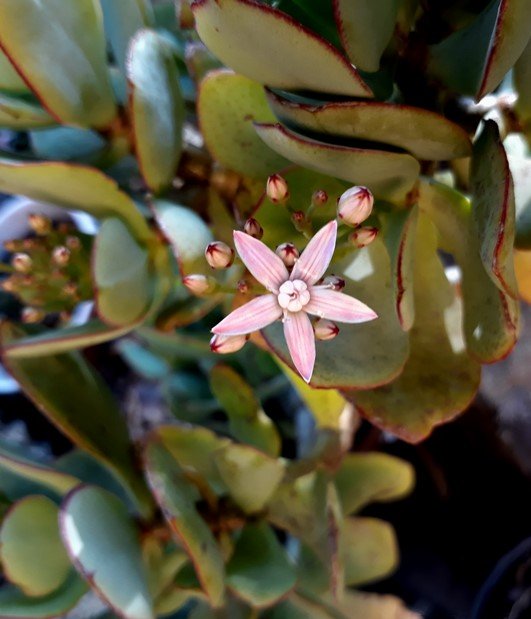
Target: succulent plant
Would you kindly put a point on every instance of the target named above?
(174, 129)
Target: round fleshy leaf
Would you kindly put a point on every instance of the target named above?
(157, 108)
(68, 144)
(426, 135)
(103, 543)
(259, 570)
(31, 551)
(233, 31)
(227, 106)
(439, 379)
(521, 172)
(389, 176)
(37, 36)
(21, 114)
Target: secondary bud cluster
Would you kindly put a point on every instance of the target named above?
(355, 205)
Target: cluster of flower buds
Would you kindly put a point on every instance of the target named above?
(50, 270)
(219, 255)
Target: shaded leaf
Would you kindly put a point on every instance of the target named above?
(520, 168)
(69, 144)
(21, 114)
(522, 83)
(10, 80)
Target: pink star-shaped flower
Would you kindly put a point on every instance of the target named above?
(293, 296)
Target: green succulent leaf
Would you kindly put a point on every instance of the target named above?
(177, 496)
(122, 20)
(247, 421)
(259, 570)
(365, 355)
(31, 552)
(157, 108)
(14, 604)
(388, 175)
(522, 84)
(83, 408)
(520, 171)
(372, 606)
(369, 549)
(439, 379)
(493, 207)
(250, 475)
(366, 28)
(69, 144)
(121, 275)
(367, 477)
(233, 31)
(227, 106)
(37, 36)
(491, 317)
(103, 543)
(425, 134)
(72, 186)
(22, 114)
(10, 80)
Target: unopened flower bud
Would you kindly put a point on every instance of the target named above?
(355, 205)
(363, 236)
(219, 255)
(8, 285)
(32, 315)
(73, 242)
(288, 253)
(61, 256)
(22, 263)
(39, 224)
(277, 189)
(334, 282)
(319, 197)
(325, 329)
(199, 284)
(253, 228)
(242, 286)
(298, 218)
(224, 344)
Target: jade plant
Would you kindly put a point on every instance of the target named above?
(290, 183)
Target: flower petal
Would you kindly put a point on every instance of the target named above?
(300, 338)
(264, 264)
(333, 305)
(315, 259)
(250, 317)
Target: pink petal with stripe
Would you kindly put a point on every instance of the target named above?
(315, 259)
(334, 305)
(250, 317)
(264, 264)
(300, 338)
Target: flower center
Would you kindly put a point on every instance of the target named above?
(293, 295)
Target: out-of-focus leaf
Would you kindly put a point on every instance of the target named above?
(21, 114)
(157, 108)
(59, 33)
(388, 175)
(522, 267)
(439, 379)
(177, 496)
(68, 144)
(121, 275)
(83, 408)
(72, 186)
(366, 28)
(250, 475)
(227, 106)
(247, 421)
(493, 207)
(367, 477)
(232, 30)
(522, 84)
(369, 549)
(364, 355)
(521, 172)
(31, 552)
(425, 134)
(103, 543)
(490, 316)
(259, 571)
(10, 80)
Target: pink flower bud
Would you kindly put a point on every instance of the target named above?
(355, 205)
(40, 224)
(198, 284)
(319, 197)
(22, 263)
(61, 256)
(277, 189)
(288, 253)
(363, 236)
(334, 282)
(325, 329)
(219, 255)
(253, 228)
(224, 344)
